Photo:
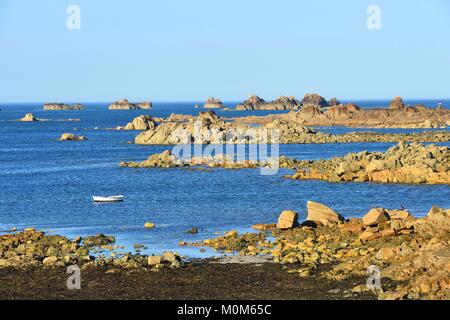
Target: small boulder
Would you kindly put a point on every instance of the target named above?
(149, 225)
(322, 213)
(169, 256)
(29, 117)
(50, 261)
(154, 260)
(287, 220)
(375, 216)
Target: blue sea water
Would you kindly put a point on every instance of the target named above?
(48, 184)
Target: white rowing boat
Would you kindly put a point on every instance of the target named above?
(108, 198)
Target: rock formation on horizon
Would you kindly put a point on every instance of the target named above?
(212, 103)
(256, 103)
(62, 106)
(124, 104)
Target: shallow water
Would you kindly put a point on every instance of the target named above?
(48, 184)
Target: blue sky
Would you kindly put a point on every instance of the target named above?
(188, 50)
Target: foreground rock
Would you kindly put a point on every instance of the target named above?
(411, 253)
(213, 103)
(124, 104)
(403, 163)
(208, 128)
(143, 122)
(63, 107)
(256, 103)
(35, 249)
(29, 117)
(71, 137)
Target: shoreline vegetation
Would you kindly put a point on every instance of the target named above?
(327, 256)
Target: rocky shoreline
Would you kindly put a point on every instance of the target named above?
(327, 249)
(403, 163)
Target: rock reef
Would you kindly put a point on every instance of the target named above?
(403, 163)
(256, 103)
(208, 128)
(71, 137)
(124, 104)
(316, 112)
(212, 103)
(63, 106)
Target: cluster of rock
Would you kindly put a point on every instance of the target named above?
(403, 163)
(212, 103)
(315, 111)
(166, 159)
(63, 106)
(411, 252)
(71, 137)
(256, 103)
(141, 123)
(32, 248)
(124, 104)
(208, 128)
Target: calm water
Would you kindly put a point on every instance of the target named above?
(48, 184)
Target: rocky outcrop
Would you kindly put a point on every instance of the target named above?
(213, 103)
(63, 107)
(403, 163)
(29, 117)
(350, 115)
(208, 128)
(167, 160)
(143, 122)
(397, 103)
(71, 137)
(314, 99)
(124, 104)
(256, 103)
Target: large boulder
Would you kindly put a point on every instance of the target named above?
(375, 216)
(143, 122)
(287, 220)
(319, 212)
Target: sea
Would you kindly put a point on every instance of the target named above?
(48, 184)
